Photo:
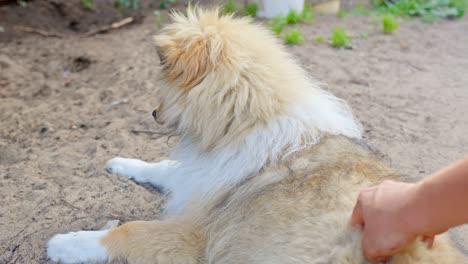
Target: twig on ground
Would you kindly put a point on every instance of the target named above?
(38, 31)
(115, 25)
(150, 132)
(104, 29)
(92, 213)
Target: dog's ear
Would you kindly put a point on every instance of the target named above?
(190, 47)
(186, 62)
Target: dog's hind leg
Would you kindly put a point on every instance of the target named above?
(135, 242)
(155, 174)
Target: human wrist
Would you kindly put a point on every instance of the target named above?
(423, 208)
(416, 213)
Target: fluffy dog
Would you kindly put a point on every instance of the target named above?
(268, 166)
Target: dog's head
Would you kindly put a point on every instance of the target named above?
(222, 77)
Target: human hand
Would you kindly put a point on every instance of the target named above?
(386, 215)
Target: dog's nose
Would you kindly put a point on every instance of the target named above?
(155, 115)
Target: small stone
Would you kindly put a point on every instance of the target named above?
(111, 224)
(119, 102)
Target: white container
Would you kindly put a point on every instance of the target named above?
(273, 8)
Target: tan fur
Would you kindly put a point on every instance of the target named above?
(296, 209)
(155, 242)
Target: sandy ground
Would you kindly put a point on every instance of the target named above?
(68, 105)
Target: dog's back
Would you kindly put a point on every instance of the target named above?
(298, 211)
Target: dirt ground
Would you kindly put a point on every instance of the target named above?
(69, 104)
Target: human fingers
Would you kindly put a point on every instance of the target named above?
(371, 250)
(428, 240)
(357, 219)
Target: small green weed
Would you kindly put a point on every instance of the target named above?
(361, 9)
(294, 37)
(293, 17)
(280, 22)
(307, 15)
(251, 10)
(343, 13)
(319, 39)
(428, 18)
(340, 38)
(165, 3)
(87, 4)
(128, 3)
(389, 24)
(277, 24)
(230, 7)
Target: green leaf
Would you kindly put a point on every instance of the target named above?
(389, 24)
(251, 10)
(87, 4)
(340, 38)
(294, 37)
(163, 5)
(277, 24)
(230, 7)
(319, 39)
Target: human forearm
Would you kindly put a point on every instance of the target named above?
(441, 201)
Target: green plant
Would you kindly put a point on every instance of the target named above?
(251, 10)
(389, 24)
(277, 24)
(361, 9)
(340, 38)
(294, 37)
(307, 14)
(230, 7)
(292, 17)
(429, 10)
(165, 3)
(87, 4)
(319, 39)
(343, 13)
(428, 18)
(128, 3)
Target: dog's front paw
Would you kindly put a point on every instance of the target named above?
(125, 167)
(78, 247)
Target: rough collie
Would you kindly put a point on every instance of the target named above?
(268, 167)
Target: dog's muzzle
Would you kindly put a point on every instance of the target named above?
(155, 116)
